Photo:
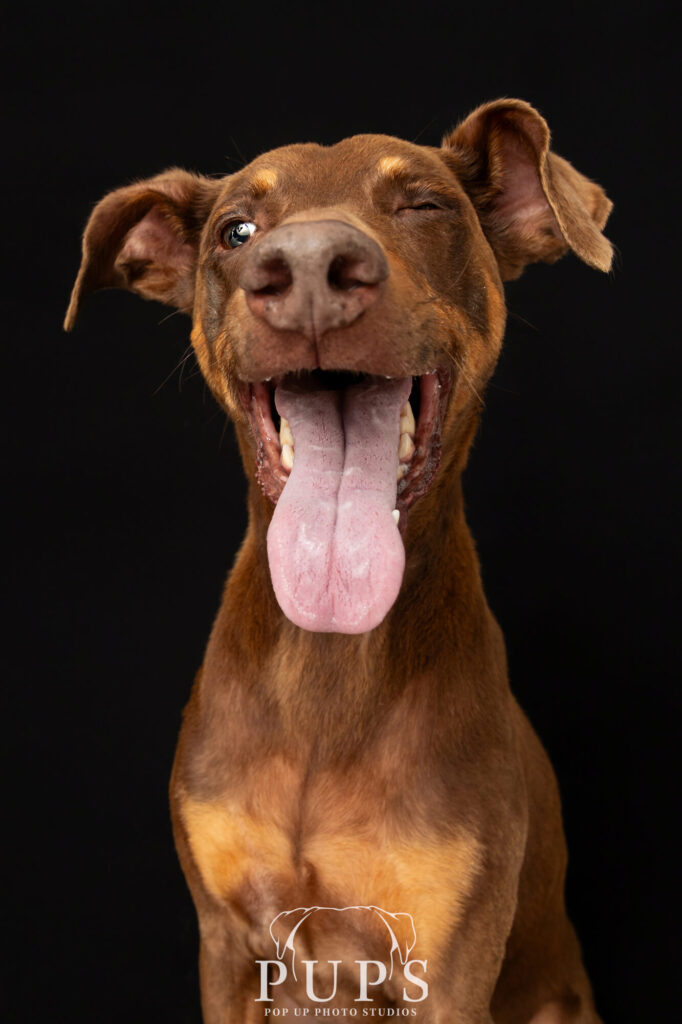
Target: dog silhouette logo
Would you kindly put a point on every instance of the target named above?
(400, 931)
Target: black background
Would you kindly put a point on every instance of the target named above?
(129, 492)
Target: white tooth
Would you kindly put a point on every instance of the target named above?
(405, 448)
(402, 470)
(287, 456)
(396, 515)
(285, 435)
(407, 424)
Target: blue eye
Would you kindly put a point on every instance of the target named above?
(235, 235)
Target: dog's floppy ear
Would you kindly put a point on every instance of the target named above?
(144, 237)
(533, 205)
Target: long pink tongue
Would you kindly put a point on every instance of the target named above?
(336, 557)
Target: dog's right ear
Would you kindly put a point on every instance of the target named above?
(145, 237)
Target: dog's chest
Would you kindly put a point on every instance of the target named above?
(339, 840)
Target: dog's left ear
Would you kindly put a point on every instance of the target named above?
(532, 204)
(145, 237)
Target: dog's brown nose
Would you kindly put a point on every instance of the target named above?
(313, 276)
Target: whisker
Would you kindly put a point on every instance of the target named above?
(187, 354)
(173, 312)
(239, 152)
(222, 434)
(425, 128)
(463, 268)
(517, 316)
(459, 363)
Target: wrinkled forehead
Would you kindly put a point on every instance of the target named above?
(350, 169)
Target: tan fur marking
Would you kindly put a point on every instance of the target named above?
(391, 165)
(201, 348)
(265, 179)
(228, 844)
(429, 880)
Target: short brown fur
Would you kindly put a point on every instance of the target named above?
(394, 767)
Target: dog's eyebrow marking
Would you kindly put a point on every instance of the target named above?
(392, 165)
(419, 181)
(264, 181)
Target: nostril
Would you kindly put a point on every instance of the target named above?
(345, 274)
(272, 277)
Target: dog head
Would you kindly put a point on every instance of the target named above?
(348, 308)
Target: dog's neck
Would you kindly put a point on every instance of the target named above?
(440, 627)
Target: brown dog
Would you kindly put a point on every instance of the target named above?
(351, 743)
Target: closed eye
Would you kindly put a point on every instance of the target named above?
(418, 207)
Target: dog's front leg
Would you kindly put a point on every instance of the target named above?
(227, 973)
(442, 1011)
(463, 979)
(458, 1000)
(229, 990)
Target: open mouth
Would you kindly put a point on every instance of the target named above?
(418, 450)
(343, 456)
